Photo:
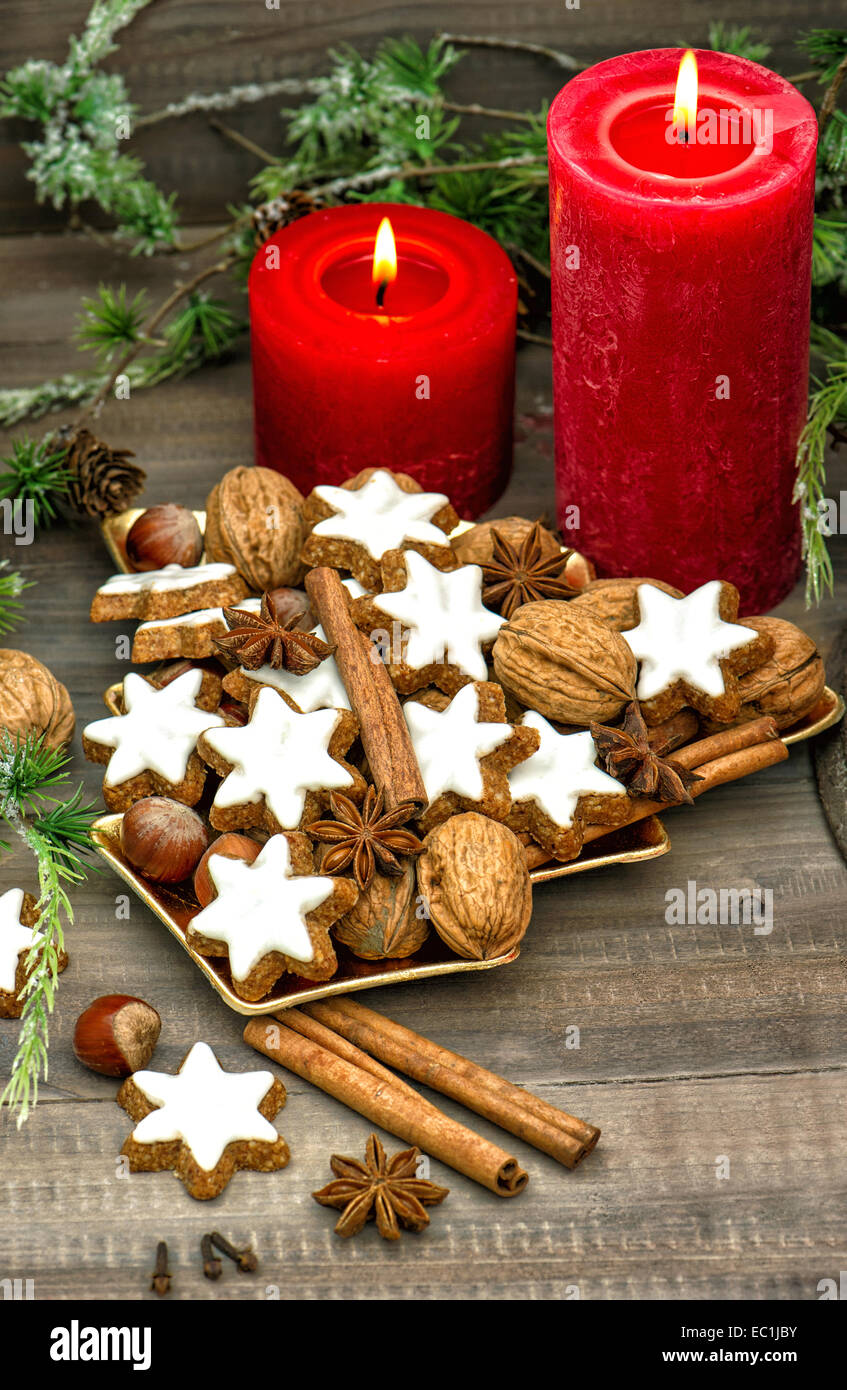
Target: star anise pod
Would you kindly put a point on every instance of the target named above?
(626, 753)
(367, 839)
(386, 1190)
(260, 639)
(518, 574)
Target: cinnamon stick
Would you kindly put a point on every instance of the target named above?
(392, 1105)
(528, 1117)
(733, 740)
(680, 728)
(739, 763)
(382, 727)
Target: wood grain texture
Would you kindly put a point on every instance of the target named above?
(694, 1041)
(175, 47)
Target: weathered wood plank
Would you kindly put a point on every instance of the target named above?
(645, 1217)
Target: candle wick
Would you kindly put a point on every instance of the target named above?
(380, 294)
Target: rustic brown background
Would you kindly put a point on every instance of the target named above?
(695, 1041)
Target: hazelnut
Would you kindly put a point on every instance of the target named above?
(165, 535)
(163, 839)
(116, 1035)
(231, 846)
(290, 603)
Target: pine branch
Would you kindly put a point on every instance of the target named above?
(57, 833)
(540, 50)
(35, 475)
(12, 586)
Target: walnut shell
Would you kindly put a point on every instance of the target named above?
(33, 701)
(476, 547)
(383, 923)
(254, 520)
(614, 601)
(564, 663)
(475, 883)
(790, 682)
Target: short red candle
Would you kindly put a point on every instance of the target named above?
(681, 282)
(423, 385)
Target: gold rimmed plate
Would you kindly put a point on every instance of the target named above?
(176, 906)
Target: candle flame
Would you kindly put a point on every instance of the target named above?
(685, 97)
(385, 254)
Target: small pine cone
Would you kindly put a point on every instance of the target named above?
(103, 481)
(278, 212)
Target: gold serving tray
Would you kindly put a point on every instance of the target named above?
(175, 906)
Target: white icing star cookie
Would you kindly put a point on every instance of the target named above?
(261, 912)
(166, 579)
(445, 625)
(453, 747)
(157, 734)
(558, 787)
(274, 765)
(562, 771)
(321, 688)
(380, 516)
(682, 642)
(14, 937)
(168, 592)
(220, 1121)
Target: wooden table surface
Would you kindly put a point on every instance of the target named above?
(700, 1047)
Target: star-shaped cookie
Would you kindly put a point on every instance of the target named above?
(167, 593)
(440, 625)
(464, 752)
(205, 1122)
(151, 747)
(691, 651)
(272, 916)
(279, 768)
(559, 789)
(355, 525)
(321, 688)
(18, 916)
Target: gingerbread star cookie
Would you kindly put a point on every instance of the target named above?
(150, 749)
(431, 628)
(190, 635)
(204, 1123)
(18, 917)
(465, 750)
(354, 526)
(559, 789)
(280, 767)
(272, 916)
(691, 651)
(321, 688)
(167, 593)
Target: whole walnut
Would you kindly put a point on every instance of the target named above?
(789, 684)
(614, 601)
(254, 520)
(384, 922)
(33, 701)
(564, 663)
(476, 886)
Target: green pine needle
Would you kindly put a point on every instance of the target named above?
(109, 322)
(733, 38)
(12, 586)
(35, 473)
(826, 48)
(57, 833)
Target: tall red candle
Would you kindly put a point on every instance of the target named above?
(421, 381)
(681, 282)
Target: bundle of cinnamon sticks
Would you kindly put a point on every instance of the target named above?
(341, 1047)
